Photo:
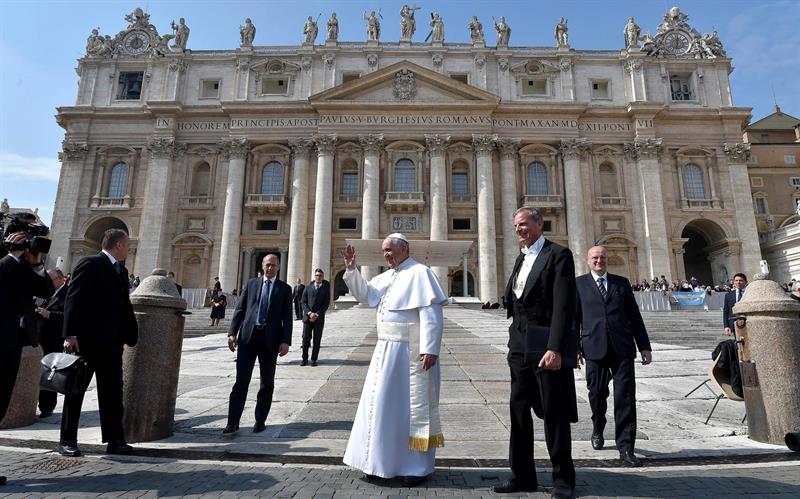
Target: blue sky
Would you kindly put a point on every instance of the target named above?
(40, 42)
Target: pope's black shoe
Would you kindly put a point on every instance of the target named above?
(562, 493)
(69, 450)
(511, 486)
(597, 441)
(120, 447)
(259, 427)
(629, 458)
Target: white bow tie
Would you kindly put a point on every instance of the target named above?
(527, 251)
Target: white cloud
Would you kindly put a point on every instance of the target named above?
(14, 165)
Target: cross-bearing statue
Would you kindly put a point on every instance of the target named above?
(310, 29)
(247, 33)
(561, 33)
(333, 28)
(181, 31)
(408, 25)
(94, 44)
(712, 46)
(476, 31)
(632, 34)
(373, 25)
(503, 32)
(437, 28)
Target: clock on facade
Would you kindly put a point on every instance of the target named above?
(676, 43)
(136, 42)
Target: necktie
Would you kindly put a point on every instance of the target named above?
(738, 295)
(602, 288)
(264, 303)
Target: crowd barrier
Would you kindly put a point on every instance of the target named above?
(659, 300)
(196, 298)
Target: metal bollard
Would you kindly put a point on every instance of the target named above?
(151, 368)
(769, 360)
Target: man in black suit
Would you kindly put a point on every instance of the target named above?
(262, 328)
(315, 301)
(51, 324)
(732, 298)
(611, 329)
(171, 276)
(727, 350)
(541, 292)
(21, 278)
(98, 321)
(297, 296)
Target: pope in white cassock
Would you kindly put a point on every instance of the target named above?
(397, 428)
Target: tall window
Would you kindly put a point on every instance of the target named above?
(405, 176)
(350, 183)
(201, 178)
(693, 182)
(272, 178)
(608, 181)
(118, 181)
(537, 179)
(460, 184)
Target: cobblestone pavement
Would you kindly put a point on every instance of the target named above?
(45, 474)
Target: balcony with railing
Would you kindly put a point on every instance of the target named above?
(197, 202)
(111, 203)
(404, 201)
(462, 199)
(547, 203)
(348, 199)
(609, 202)
(266, 203)
(700, 204)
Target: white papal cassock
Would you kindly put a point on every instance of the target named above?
(397, 427)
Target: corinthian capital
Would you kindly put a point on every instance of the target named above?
(574, 148)
(236, 148)
(73, 151)
(372, 143)
(736, 152)
(508, 148)
(326, 144)
(649, 148)
(483, 144)
(437, 144)
(300, 146)
(165, 147)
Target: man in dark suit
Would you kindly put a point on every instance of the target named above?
(297, 296)
(315, 301)
(98, 321)
(51, 324)
(21, 278)
(171, 276)
(541, 292)
(611, 329)
(262, 329)
(732, 298)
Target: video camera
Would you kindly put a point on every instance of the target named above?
(36, 241)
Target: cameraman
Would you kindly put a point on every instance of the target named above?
(21, 278)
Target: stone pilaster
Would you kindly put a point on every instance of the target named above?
(236, 150)
(750, 255)
(633, 188)
(151, 253)
(323, 203)
(437, 148)
(572, 151)
(508, 201)
(487, 238)
(298, 224)
(72, 157)
(657, 248)
(371, 209)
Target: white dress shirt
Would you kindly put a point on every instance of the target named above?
(531, 253)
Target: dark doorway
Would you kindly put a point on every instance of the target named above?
(695, 259)
(457, 285)
(339, 287)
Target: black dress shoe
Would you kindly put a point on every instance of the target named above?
(562, 493)
(304, 363)
(511, 486)
(2, 480)
(413, 481)
(313, 363)
(120, 447)
(629, 458)
(69, 450)
(45, 414)
(597, 441)
(230, 429)
(259, 427)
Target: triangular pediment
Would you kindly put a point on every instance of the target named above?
(404, 83)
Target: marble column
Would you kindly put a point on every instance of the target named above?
(151, 252)
(236, 150)
(657, 248)
(750, 253)
(487, 238)
(464, 276)
(437, 147)
(323, 203)
(632, 183)
(371, 196)
(508, 201)
(284, 252)
(72, 156)
(298, 223)
(572, 151)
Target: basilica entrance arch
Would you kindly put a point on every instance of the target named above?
(707, 252)
(339, 286)
(457, 284)
(93, 238)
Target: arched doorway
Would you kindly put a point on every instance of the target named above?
(339, 287)
(93, 239)
(457, 284)
(706, 252)
(95, 231)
